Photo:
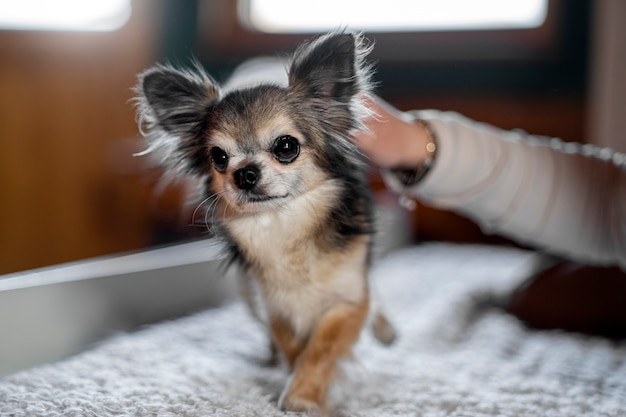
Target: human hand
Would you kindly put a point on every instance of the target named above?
(392, 140)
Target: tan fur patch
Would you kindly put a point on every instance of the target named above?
(331, 340)
(286, 340)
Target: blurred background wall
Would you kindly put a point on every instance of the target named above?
(70, 188)
(67, 187)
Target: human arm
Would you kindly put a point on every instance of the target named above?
(565, 198)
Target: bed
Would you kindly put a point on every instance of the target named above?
(458, 354)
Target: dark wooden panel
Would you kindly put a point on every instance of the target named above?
(69, 188)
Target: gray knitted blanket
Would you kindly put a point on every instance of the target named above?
(457, 355)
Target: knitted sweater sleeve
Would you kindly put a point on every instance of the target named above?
(567, 199)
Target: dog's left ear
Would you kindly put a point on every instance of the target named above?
(331, 67)
(173, 106)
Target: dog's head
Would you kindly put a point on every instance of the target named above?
(260, 147)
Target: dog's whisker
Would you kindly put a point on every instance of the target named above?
(199, 206)
(210, 212)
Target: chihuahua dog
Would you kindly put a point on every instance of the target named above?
(288, 193)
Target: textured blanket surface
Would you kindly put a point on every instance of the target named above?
(457, 355)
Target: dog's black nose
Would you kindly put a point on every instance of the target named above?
(247, 177)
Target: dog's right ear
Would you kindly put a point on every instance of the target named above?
(173, 107)
(331, 73)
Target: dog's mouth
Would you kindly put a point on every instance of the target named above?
(256, 202)
(260, 198)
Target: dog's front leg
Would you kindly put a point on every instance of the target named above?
(286, 340)
(331, 340)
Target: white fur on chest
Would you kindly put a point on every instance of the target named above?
(299, 280)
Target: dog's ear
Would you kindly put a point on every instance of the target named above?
(331, 67)
(173, 107)
(331, 73)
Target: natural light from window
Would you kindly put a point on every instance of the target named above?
(71, 15)
(289, 16)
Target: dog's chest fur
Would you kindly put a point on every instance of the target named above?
(299, 275)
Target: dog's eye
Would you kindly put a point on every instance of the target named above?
(219, 159)
(286, 149)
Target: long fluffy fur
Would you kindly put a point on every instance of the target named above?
(301, 227)
(173, 127)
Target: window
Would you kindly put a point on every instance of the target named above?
(288, 16)
(534, 45)
(70, 15)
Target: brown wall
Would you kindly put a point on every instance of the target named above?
(68, 188)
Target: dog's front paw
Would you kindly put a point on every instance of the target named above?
(299, 404)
